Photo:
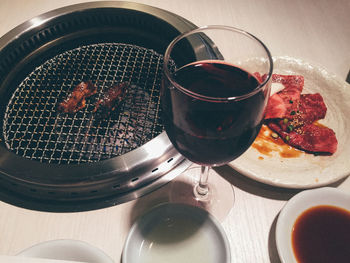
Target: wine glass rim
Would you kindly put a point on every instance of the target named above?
(209, 98)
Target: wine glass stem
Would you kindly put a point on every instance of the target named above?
(202, 189)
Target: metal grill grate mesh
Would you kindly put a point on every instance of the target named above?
(34, 129)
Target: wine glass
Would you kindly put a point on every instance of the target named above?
(215, 88)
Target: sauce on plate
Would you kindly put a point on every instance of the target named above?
(322, 234)
(266, 145)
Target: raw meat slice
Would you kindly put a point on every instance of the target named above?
(312, 107)
(310, 138)
(283, 102)
(292, 115)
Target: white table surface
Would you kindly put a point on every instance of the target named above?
(317, 31)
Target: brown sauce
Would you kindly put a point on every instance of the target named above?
(266, 145)
(322, 235)
(319, 124)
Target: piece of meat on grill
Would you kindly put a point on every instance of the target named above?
(76, 100)
(110, 100)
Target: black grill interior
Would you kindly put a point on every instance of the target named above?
(35, 129)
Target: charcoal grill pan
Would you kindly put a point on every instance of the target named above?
(84, 186)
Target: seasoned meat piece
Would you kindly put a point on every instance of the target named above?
(111, 99)
(309, 109)
(292, 115)
(312, 107)
(76, 100)
(285, 101)
(311, 138)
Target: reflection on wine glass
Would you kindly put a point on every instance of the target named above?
(214, 93)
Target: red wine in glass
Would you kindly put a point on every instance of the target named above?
(213, 132)
(213, 103)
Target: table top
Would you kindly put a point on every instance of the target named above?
(317, 31)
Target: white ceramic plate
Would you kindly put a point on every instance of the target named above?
(307, 170)
(176, 233)
(66, 249)
(296, 206)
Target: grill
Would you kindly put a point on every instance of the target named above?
(34, 129)
(53, 161)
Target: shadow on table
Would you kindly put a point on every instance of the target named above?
(254, 187)
(273, 253)
(149, 201)
(161, 195)
(260, 189)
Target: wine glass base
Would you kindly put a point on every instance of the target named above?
(219, 200)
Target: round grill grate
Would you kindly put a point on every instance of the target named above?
(34, 129)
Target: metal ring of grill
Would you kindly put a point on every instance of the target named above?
(33, 128)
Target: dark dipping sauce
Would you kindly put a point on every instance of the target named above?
(322, 234)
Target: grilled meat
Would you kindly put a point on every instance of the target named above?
(111, 99)
(76, 100)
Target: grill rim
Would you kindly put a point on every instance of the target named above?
(65, 178)
(16, 167)
(37, 23)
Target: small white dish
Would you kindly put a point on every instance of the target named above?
(176, 233)
(67, 249)
(295, 207)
